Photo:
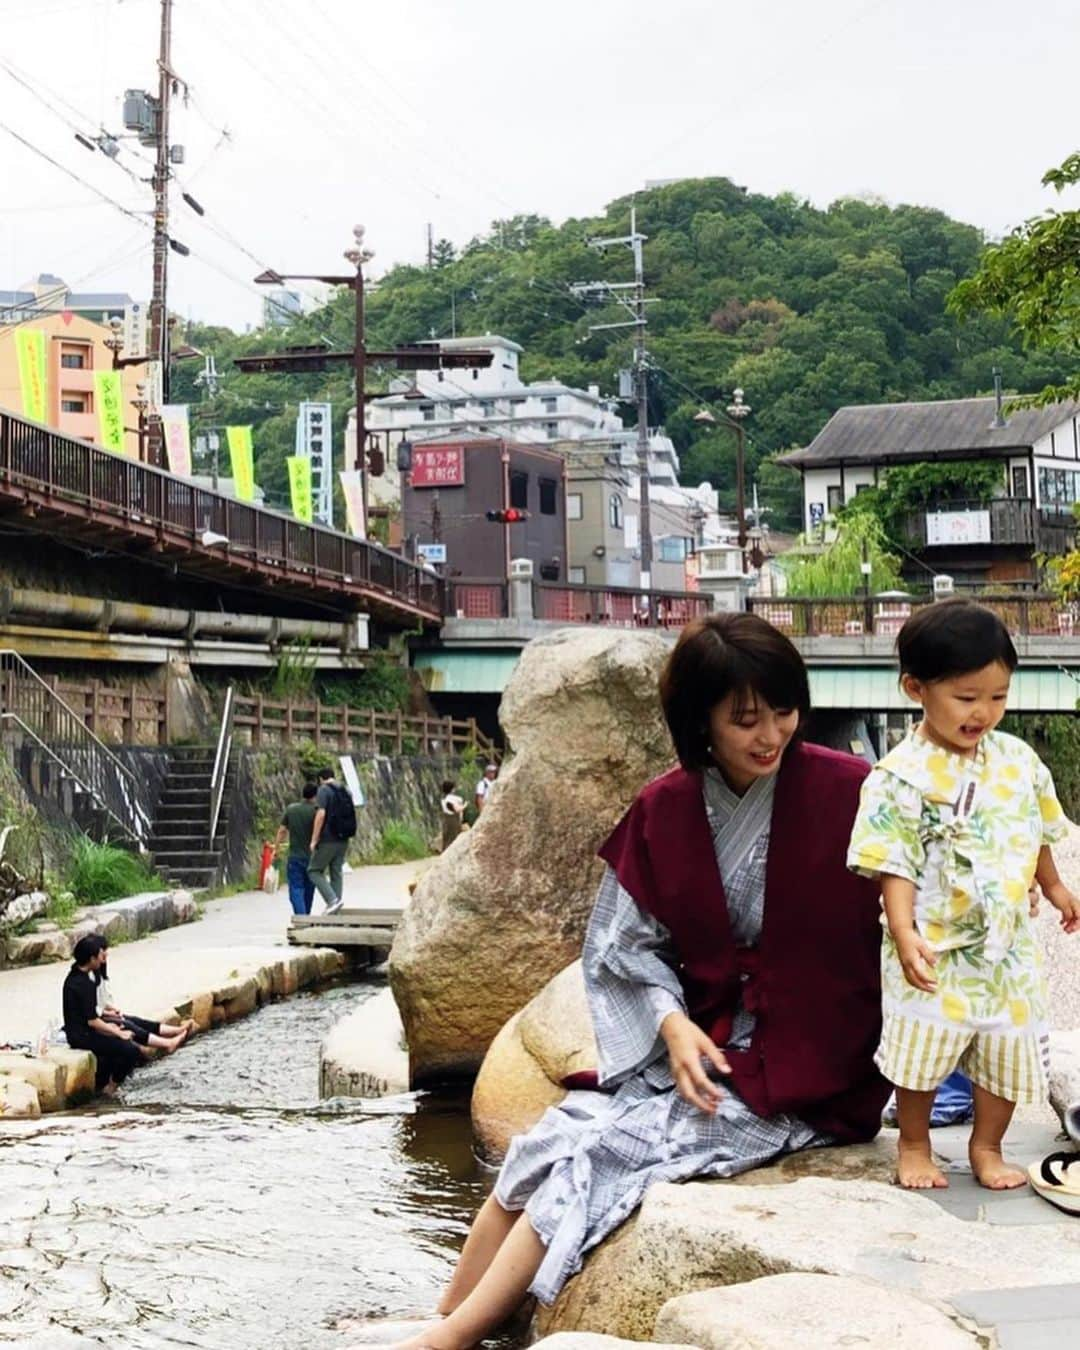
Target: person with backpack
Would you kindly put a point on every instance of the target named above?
(335, 825)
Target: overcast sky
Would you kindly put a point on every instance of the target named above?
(398, 113)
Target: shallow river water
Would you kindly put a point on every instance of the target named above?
(219, 1204)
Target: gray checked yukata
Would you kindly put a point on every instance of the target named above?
(584, 1167)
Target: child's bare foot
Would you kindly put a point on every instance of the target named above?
(992, 1171)
(916, 1169)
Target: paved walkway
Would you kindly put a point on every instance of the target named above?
(164, 969)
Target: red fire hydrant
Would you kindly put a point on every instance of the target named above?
(266, 863)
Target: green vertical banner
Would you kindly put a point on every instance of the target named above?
(242, 459)
(299, 467)
(109, 397)
(30, 350)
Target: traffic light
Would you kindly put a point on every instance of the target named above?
(511, 516)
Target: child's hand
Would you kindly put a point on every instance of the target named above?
(1033, 901)
(917, 958)
(1066, 904)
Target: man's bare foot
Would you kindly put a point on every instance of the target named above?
(916, 1169)
(992, 1171)
(110, 1089)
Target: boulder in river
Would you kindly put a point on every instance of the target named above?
(505, 907)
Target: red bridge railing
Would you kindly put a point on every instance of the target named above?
(1033, 615)
(488, 598)
(116, 490)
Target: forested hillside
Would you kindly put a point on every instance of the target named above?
(806, 309)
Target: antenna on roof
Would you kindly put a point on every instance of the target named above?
(999, 420)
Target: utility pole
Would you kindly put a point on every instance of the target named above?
(159, 327)
(631, 295)
(430, 246)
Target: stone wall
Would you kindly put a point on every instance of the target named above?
(404, 789)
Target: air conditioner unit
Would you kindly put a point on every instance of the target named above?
(943, 586)
(521, 569)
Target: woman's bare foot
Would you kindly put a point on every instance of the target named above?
(992, 1171)
(916, 1169)
(397, 1333)
(171, 1047)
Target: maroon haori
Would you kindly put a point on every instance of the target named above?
(813, 982)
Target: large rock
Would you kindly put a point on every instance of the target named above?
(80, 1072)
(18, 1099)
(48, 1078)
(522, 1072)
(809, 1312)
(364, 1054)
(700, 1235)
(591, 1340)
(49, 944)
(505, 907)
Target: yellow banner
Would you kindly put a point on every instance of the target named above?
(30, 348)
(109, 397)
(299, 467)
(241, 456)
(353, 491)
(174, 423)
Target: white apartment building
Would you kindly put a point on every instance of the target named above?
(442, 404)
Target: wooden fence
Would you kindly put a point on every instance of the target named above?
(117, 714)
(332, 726)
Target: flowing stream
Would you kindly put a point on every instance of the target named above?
(220, 1204)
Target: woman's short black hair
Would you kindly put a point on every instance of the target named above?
(723, 654)
(953, 637)
(87, 948)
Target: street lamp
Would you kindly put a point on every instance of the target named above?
(140, 403)
(358, 255)
(737, 410)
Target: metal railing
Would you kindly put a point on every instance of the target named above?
(27, 702)
(618, 606)
(1034, 615)
(221, 761)
(79, 479)
(1011, 520)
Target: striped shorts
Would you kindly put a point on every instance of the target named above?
(920, 1053)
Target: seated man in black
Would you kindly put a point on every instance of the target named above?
(113, 1046)
(147, 1035)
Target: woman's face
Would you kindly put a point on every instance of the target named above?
(748, 738)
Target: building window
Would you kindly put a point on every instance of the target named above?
(519, 489)
(675, 548)
(576, 576)
(1020, 485)
(862, 487)
(836, 499)
(441, 376)
(573, 506)
(1058, 488)
(549, 496)
(551, 430)
(73, 360)
(550, 405)
(487, 408)
(427, 412)
(476, 374)
(74, 404)
(615, 511)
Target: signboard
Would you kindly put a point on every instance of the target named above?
(174, 426)
(135, 328)
(957, 527)
(352, 779)
(431, 553)
(352, 489)
(242, 459)
(313, 443)
(817, 515)
(438, 466)
(299, 467)
(110, 408)
(30, 350)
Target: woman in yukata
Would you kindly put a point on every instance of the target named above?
(732, 970)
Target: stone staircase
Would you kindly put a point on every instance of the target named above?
(183, 854)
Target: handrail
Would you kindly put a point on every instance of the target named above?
(30, 703)
(221, 761)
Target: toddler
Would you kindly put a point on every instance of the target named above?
(957, 822)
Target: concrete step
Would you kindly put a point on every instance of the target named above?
(163, 842)
(171, 796)
(202, 857)
(193, 878)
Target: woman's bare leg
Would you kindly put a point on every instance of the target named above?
(498, 1293)
(488, 1233)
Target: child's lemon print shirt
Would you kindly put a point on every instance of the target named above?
(967, 833)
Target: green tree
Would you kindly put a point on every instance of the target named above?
(837, 569)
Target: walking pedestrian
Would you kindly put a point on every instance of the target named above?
(334, 826)
(453, 810)
(491, 772)
(297, 825)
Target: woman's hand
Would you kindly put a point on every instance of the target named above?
(687, 1046)
(918, 959)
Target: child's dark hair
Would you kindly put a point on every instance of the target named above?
(448, 786)
(953, 637)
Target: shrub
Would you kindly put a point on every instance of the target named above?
(399, 842)
(98, 873)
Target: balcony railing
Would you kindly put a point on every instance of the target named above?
(1033, 615)
(1011, 520)
(471, 598)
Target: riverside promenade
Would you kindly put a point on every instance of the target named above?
(236, 936)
